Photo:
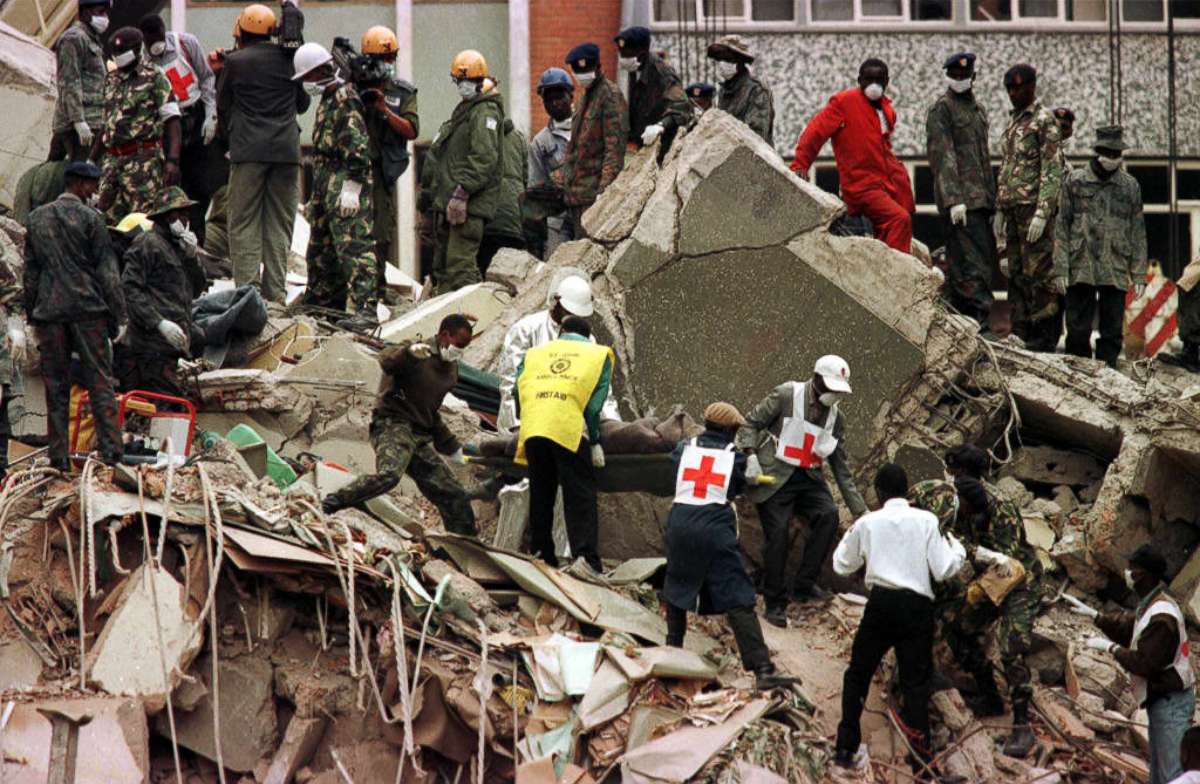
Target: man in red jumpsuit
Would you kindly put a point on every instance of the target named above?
(874, 182)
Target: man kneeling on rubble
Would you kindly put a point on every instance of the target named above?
(704, 561)
(1151, 644)
(992, 531)
(407, 431)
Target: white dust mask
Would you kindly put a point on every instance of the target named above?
(959, 85)
(627, 63)
(1109, 164)
(466, 88)
(125, 59)
(158, 47)
(452, 353)
(873, 91)
(726, 70)
(99, 24)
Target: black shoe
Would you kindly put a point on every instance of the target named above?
(777, 616)
(983, 705)
(1188, 358)
(331, 504)
(768, 678)
(843, 758)
(813, 593)
(1020, 742)
(362, 321)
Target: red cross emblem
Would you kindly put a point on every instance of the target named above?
(1185, 650)
(180, 83)
(704, 476)
(803, 453)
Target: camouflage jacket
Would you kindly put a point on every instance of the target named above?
(401, 98)
(1100, 237)
(1005, 533)
(160, 282)
(1031, 168)
(70, 266)
(469, 151)
(656, 96)
(956, 141)
(749, 100)
(138, 100)
(340, 139)
(596, 152)
(80, 78)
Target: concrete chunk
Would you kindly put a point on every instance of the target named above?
(299, 743)
(511, 267)
(114, 747)
(1051, 466)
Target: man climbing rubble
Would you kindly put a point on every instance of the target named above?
(1151, 644)
(789, 436)
(993, 533)
(407, 431)
(704, 561)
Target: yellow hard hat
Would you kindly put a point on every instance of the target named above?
(468, 64)
(134, 221)
(379, 40)
(256, 19)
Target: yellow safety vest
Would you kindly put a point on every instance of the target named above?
(554, 389)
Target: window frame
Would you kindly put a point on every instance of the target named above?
(859, 18)
(746, 18)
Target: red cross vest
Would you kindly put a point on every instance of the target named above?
(704, 475)
(1163, 605)
(801, 443)
(185, 85)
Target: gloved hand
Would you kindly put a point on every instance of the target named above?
(84, 132)
(1079, 608)
(597, 456)
(1101, 644)
(998, 225)
(1004, 265)
(458, 458)
(1060, 286)
(174, 335)
(1139, 289)
(987, 556)
(651, 134)
(121, 330)
(421, 350)
(456, 209)
(348, 198)
(1037, 225)
(17, 344)
(209, 129)
(753, 468)
(958, 215)
(188, 241)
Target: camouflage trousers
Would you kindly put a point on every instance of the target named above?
(341, 251)
(456, 249)
(131, 182)
(965, 630)
(971, 252)
(216, 230)
(400, 450)
(1037, 316)
(88, 339)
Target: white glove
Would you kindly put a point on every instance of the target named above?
(958, 215)
(209, 129)
(17, 344)
(1004, 265)
(348, 198)
(421, 350)
(458, 458)
(987, 556)
(1139, 289)
(1101, 644)
(1036, 226)
(85, 133)
(187, 239)
(753, 468)
(998, 225)
(1079, 608)
(121, 330)
(174, 335)
(597, 456)
(651, 134)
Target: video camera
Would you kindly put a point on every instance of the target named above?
(362, 70)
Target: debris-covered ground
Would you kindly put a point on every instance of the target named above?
(211, 623)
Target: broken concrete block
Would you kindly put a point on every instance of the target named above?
(126, 655)
(114, 747)
(1062, 716)
(1071, 552)
(1093, 712)
(1049, 466)
(299, 742)
(20, 666)
(1099, 675)
(972, 759)
(1012, 490)
(617, 209)
(511, 267)
(339, 372)
(465, 591)
(1065, 497)
(242, 389)
(248, 721)
(483, 301)
(1050, 511)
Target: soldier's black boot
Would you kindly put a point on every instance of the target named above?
(362, 321)
(988, 701)
(1021, 741)
(1188, 358)
(767, 678)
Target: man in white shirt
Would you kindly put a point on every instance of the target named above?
(1189, 755)
(903, 551)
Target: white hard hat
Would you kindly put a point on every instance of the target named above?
(834, 371)
(575, 294)
(309, 57)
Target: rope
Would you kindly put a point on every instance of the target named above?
(484, 688)
(214, 574)
(401, 653)
(77, 585)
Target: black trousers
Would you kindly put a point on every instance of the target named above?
(747, 633)
(1083, 300)
(1189, 316)
(899, 620)
(893, 619)
(803, 495)
(193, 167)
(550, 467)
(971, 250)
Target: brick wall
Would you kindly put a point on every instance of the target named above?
(555, 26)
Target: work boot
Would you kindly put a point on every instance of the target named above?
(767, 678)
(844, 758)
(1021, 741)
(985, 704)
(362, 321)
(777, 616)
(1188, 358)
(812, 593)
(331, 503)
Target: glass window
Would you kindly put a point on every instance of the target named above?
(832, 10)
(991, 10)
(1158, 240)
(923, 185)
(826, 179)
(1185, 9)
(881, 8)
(928, 228)
(1142, 10)
(1155, 183)
(1187, 184)
(929, 10)
(773, 10)
(1087, 10)
(668, 10)
(1045, 9)
(724, 8)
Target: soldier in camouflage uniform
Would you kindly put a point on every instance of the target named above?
(80, 73)
(342, 270)
(956, 141)
(162, 277)
(742, 94)
(141, 122)
(986, 525)
(1027, 200)
(596, 153)
(657, 104)
(407, 430)
(73, 298)
(1099, 247)
(1066, 124)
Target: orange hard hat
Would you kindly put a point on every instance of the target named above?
(468, 64)
(379, 40)
(256, 19)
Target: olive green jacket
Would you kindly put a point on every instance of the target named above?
(469, 151)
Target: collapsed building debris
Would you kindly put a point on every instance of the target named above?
(216, 625)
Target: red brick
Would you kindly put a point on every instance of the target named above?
(555, 26)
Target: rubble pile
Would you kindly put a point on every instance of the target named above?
(212, 624)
